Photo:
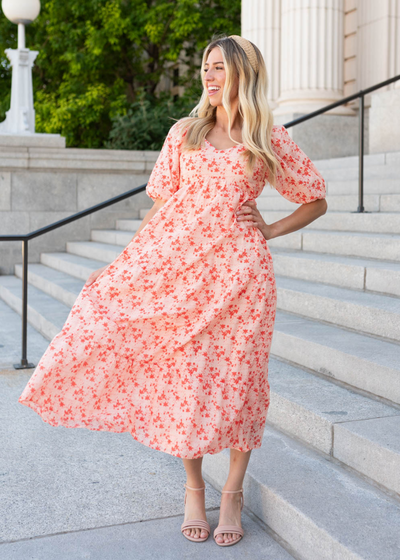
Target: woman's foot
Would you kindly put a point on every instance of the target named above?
(229, 514)
(195, 508)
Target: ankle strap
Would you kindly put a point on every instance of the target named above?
(231, 491)
(190, 488)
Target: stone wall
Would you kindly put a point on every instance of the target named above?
(39, 186)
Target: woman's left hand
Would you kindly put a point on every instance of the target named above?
(248, 215)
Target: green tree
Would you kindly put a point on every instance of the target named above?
(102, 59)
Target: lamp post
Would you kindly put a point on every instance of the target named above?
(20, 119)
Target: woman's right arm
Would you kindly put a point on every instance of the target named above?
(156, 206)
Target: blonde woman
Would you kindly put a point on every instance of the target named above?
(171, 341)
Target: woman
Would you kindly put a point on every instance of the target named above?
(171, 341)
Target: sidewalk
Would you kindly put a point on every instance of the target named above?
(79, 494)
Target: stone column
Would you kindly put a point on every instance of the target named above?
(21, 116)
(261, 25)
(312, 40)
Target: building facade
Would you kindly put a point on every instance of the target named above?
(320, 51)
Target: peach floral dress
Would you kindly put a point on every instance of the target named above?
(171, 342)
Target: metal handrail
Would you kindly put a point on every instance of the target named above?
(27, 236)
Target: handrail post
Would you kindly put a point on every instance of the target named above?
(361, 155)
(24, 361)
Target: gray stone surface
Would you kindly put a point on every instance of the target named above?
(11, 339)
(308, 407)
(362, 311)
(364, 362)
(37, 140)
(323, 511)
(313, 139)
(77, 493)
(373, 448)
(44, 192)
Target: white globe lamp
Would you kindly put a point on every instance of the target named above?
(21, 12)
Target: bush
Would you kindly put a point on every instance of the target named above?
(147, 121)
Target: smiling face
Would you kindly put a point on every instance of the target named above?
(214, 76)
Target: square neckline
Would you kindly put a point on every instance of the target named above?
(224, 150)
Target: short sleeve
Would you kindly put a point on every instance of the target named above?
(165, 177)
(300, 182)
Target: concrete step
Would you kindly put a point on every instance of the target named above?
(382, 246)
(321, 509)
(45, 314)
(371, 186)
(352, 162)
(383, 171)
(91, 250)
(310, 408)
(59, 285)
(372, 314)
(130, 225)
(375, 222)
(346, 272)
(78, 267)
(114, 236)
(370, 365)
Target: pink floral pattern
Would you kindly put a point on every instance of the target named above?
(171, 343)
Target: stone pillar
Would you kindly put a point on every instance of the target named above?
(312, 40)
(21, 116)
(262, 26)
(380, 60)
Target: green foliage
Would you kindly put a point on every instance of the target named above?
(100, 62)
(148, 121)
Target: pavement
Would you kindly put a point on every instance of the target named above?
(82, 494)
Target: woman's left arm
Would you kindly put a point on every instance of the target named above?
(250, 216)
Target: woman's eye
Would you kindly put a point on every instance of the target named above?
(217, 68)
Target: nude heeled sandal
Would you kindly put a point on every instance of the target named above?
(195, 523)
(230, 528)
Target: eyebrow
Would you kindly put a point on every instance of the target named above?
(221, 62)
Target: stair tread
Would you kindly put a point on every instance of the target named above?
(386, 303)
(62, 279)
(330, 498)
(45, 305)
(327, 400)
(97, 245)
(326, 257)
(77, 259)
(365, 234)
(378, 351)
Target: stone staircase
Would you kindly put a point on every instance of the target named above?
(326, 481)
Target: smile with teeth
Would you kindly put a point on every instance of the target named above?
(213, 89)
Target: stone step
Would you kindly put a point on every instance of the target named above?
(45, 314)
(114, 236)
(346, 272)
(310, 408)
(130, 225)
(59, 285)
(384, 171)
(321, 509)
(76, 266)
(375, 222)
(352, 162)
(370, 365)
(377, 186)
(382, 246)
(368, 313)
(92, 250)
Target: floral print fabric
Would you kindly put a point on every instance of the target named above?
(171, 342)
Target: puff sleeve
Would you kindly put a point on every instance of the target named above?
(300, 182)
(165, 177)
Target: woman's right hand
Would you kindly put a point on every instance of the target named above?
(95, 274)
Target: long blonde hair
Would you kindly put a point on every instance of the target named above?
(253, 107)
